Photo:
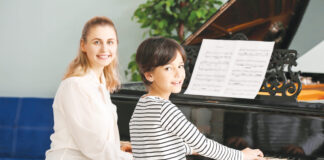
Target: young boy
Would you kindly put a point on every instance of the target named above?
(158, 129)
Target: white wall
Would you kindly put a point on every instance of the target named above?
(38, 39)
(311, 29)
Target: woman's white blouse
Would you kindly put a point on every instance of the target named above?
(85, 121)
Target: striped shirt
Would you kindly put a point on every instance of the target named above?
(159, 130)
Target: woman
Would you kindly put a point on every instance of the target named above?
(85, 120)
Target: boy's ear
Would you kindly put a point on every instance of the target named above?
(148, 76)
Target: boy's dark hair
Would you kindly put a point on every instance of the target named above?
(156, 51)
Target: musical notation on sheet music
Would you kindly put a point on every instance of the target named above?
(230, 68)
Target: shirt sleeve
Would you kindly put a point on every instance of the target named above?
(173, 120)
(88, 125)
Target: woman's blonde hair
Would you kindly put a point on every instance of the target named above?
(80, 65)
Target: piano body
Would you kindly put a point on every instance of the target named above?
(275, 121)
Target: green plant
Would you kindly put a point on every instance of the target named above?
(171, 18)
(132, 69)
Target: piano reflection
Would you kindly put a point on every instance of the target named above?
(281, 120)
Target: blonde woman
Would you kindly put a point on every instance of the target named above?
(85, 120)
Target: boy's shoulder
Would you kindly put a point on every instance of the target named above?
(156, 101)
(153, 100)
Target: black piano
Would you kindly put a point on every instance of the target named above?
(275, 121)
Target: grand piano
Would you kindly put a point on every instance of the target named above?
(277, 121)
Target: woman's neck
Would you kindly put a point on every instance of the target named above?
(98, 72)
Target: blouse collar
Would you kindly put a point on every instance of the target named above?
(91, 75)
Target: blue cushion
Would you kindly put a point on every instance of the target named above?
(35, 125)
(25, 127)
(32, 143)
(6, 141)
(36, 112)
(8, 108)
(21, 158)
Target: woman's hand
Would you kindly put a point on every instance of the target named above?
(252, 154)
(126, 146)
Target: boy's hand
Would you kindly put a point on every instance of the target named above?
(194, 153)
(252, 154)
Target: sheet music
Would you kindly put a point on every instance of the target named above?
(230, 68)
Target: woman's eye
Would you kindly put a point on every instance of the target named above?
(96, 42)
(168, 68)
(110, 42)
(181, 66)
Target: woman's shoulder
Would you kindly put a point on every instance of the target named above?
(71, 79)
(72, 82)
(71, 86)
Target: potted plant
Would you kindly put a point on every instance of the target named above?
(171, 18)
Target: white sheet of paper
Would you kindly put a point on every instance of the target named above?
(230, 68)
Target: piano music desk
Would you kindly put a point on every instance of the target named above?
(308, 92)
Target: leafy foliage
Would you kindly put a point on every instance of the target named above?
(132, 69)
(174, 18)
(171, 18)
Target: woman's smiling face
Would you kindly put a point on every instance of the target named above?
(101, 46)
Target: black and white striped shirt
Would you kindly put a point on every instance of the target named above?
(159, 130)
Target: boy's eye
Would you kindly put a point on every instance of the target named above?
(168, 68)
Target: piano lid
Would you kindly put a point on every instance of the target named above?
(275, 20)
(311, 61)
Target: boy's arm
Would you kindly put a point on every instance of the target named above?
(173, 120)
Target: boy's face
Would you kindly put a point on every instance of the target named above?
(167, 79)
